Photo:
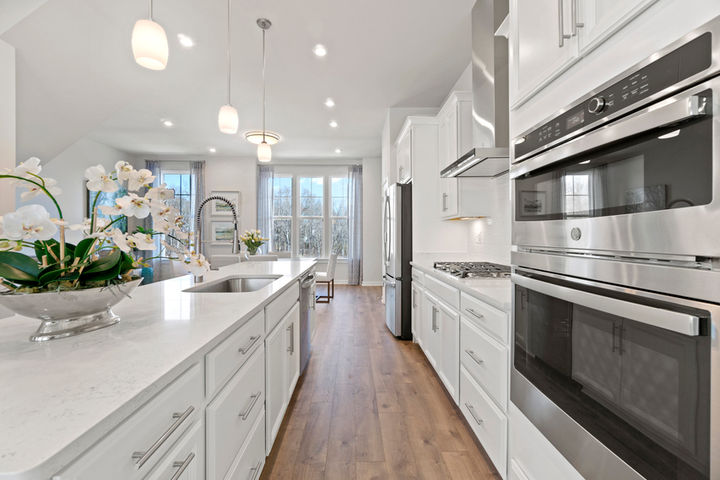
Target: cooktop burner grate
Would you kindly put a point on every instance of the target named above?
(474, 269)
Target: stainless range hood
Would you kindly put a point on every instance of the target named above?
(490, 157)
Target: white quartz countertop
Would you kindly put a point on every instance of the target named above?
(493, 291)
(60, 397)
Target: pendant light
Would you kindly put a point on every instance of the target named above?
(264, 152)
(228, 115)
(149, 43)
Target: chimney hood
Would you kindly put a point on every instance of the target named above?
(491, 135)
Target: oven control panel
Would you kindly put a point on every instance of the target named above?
(681, 63)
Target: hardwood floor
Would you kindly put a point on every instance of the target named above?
(371, 407)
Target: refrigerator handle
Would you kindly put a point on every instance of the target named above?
(386, 233)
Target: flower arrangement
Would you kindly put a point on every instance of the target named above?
(104, 256)
(252, 240)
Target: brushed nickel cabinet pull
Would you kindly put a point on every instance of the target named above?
(246, 348)
(142, 457)
(182, 466)
(475, 314)
(255, 471)
(253, 400)
(562, 36)
(472, 355)
(471, 409)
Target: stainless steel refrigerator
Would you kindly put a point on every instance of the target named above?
(397, 253)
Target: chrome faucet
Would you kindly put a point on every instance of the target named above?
(199, 225)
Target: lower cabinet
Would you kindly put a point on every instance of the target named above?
(282, 349)
(417, 300)
(249, 463)
(442, 342)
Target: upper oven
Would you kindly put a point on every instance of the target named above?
(632, 168)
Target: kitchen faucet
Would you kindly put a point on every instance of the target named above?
(199, 224)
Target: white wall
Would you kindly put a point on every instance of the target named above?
(372, 225)
(7, 122)
(489, 238)
(68, 169)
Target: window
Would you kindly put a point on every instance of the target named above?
(183, 184)
(310, 212)
(282, 221)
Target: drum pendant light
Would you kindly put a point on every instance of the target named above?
(228, 115)
(149, 43)
(264, 152)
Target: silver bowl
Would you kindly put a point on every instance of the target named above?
(71, 312)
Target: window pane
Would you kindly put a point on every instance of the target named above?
(340, 236)
(311, 197)
(185, 184)
(311, 234)
(339, 207)
(172, 180)
(281, 232)
(282, 186)
(339, 186)
(282, 206)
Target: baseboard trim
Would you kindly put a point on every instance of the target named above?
(372, 284)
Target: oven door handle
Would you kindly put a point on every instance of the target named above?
(657, 317)
(667, 112)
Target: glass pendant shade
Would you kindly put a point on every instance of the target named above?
(264, 152)
(228, 119)
(150, 45)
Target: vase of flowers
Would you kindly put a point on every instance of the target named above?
(252, 240)
(71, 288)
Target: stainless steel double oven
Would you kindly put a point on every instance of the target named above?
(616, 270)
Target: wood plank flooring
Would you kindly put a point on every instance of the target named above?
(371, 407)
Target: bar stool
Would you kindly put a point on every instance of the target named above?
(327, 278)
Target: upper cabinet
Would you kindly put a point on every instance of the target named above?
(403, 156)
(548, 36)
(416, 146)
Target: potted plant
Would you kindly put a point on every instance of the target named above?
(252, 240)
(69, 287)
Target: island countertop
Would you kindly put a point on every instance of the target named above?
(60, 397)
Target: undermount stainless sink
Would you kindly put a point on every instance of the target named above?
(235, 284)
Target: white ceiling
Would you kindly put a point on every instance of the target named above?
(76, 76)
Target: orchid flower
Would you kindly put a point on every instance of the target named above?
(134, 206)
(29, 223)
(99, 180)
(33, 190)
(124, 170)
(139, 179)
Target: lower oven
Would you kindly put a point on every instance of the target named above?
(621, 381)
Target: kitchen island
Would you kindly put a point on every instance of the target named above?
(61, 399)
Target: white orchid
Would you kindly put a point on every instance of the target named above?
(29, 223)
(123, 169)
(142, 241)
(28, 168)
(99, 180)
(134, 206)
(33, 190)
(118, 238)
(197, 264)
(160, 192)
(140, 178)
(112, 210)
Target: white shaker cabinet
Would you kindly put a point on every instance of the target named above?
(454, 140)
(417, 320)
(548, 36)
(403, 156)
(441, 342)
(597, 20)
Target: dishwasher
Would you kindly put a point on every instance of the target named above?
(307, 318)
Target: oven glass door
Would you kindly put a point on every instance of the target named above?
(661, 169)
(636, 377)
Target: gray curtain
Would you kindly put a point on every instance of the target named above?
(197, 169)
(355, 214)
(264, 203)
(154, 167)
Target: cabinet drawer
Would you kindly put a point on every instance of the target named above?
(493, 321)
(136, 446)
(233, 352)
(280, 306)
(446, 293)
(418, 276)
(486, 361)
(485, 419)
(231, 415)
(186, 459)
(249, 463)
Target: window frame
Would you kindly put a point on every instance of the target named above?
(327, 174)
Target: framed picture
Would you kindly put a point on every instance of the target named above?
(222, 232)
(221, 208)
(533, 202)
(105, 198)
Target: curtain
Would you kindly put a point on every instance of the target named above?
(154, 167)
(355, 213)
(264, 203)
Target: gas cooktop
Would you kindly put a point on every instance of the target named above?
(474, 269)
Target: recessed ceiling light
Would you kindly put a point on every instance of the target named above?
(333, 124)
(320, 50)
(329, 102)
(185, 41)
(337, 150)
(212, 149)
(168, 123)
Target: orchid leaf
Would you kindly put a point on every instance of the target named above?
(19, 268)
(104, 264)
(83, 248)
(51, 248)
